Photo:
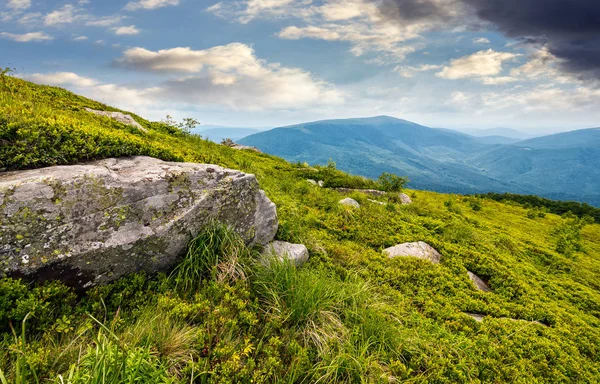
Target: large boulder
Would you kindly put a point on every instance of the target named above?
(418, 249)
(120, 117)
(296, 253)
(92, 223)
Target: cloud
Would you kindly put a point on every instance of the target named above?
(105, 21)
(61, 79)
(480, 64)
(231, 75)
(130, 30)
(500, 80)
(26, 37)
(80, 38)
(569, 29)
(408, 71)
(30, 19)
(150, 4)
(366, 26)
(18, 4)
(66, 15)
(481, 40)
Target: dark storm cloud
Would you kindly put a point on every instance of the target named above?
(569, 28)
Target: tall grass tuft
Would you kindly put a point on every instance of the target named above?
(217, 253)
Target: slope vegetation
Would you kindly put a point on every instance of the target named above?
(348, 315)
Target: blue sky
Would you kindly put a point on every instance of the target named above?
(278, 62)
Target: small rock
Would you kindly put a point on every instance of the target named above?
(376, 202)
(311, 181)
(297, 253)
(240, 147)
(404, 199)
(120, 117)
(321, 183)
(478, 282)
(418, 249)
(372, 192)
(350, 202)
(477, 316)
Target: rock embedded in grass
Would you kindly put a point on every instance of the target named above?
(417, 249)
(405, 199)
(92, 223)
(120, 117)
(297, 253)
(478, 282)
(241, 147)
(350, 202)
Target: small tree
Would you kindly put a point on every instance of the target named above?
(392, 183)
(228, 142)
(184, 126)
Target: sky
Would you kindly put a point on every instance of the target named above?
(532, 65)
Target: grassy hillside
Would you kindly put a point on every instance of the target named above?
(349, 315)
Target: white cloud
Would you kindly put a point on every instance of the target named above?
(80, 38)
(231, 75)
(61, 78)
(130, 30)
(482, 40)
(480, 64)
(500, 80)
(409, 71)
(104, 21)
(357, 22)
(26, 37)
(30, 19)
(18, 4)
(66, 15)
(150, 4)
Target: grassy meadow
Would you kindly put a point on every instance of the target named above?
(350, 315)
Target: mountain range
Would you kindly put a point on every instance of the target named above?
(562, 166)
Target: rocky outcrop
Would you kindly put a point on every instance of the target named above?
(297, 253)
(92, 223)
(404, 199)
(478, 282)
(350, 202)
(120, 117)
(240, 147)
(419, 249)
(372, 192)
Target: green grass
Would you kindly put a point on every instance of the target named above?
(349, 315)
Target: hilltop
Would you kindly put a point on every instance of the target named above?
(444, 160)
(350, 314)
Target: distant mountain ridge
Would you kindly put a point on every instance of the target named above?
(561, 166)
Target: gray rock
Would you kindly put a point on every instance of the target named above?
(404, 199)
(350, 202)
(311, 181)
(478, 283)
(241, 147)
(372, 192)
(419, 249)
(120, 117)
(477, 316)
(321, 183)
(92, 223)
(376, 202)
(297, 253)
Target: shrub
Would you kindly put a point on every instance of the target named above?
(391, 183)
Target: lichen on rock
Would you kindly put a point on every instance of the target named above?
(92, 223)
